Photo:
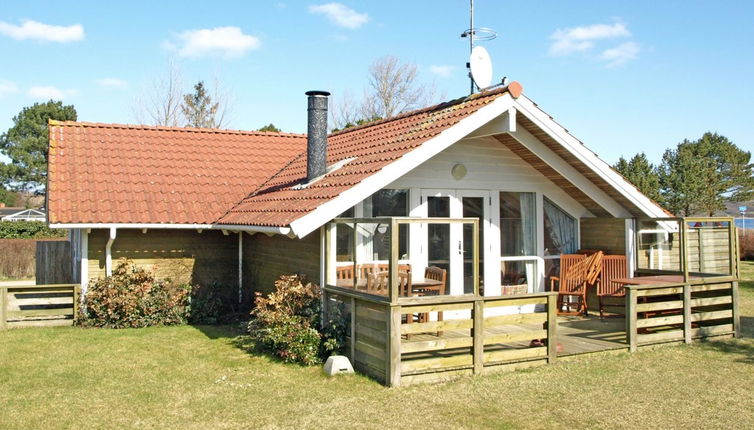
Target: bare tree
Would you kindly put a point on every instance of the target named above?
(344, 111)
(393, 88)
(160, 103)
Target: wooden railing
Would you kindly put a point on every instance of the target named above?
(477, 335)
(681, 311)
(38, 305)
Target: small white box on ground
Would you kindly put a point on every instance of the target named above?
(338, 364)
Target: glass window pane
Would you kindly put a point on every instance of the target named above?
(709, 247)
(518, 230)
(659, 245)
(386, 203)
(560, 230)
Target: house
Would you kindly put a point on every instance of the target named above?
(23, 214)
(488, 188)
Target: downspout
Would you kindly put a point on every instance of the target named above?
(109, 253)
(240, 266)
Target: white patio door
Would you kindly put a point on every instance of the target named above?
(450, 246)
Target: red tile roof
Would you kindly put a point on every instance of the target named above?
(110, 173)
(372, 146)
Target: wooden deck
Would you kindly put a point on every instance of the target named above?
(576, 335)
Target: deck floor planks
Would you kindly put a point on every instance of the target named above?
(577, 335)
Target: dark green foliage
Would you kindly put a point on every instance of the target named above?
(216, 304)
(132, 297)
(199, 109)
(700, 176)
(287, 323)
(29, 230)
(640, 172)
(270, 127)
(26, 144)
(9, 198)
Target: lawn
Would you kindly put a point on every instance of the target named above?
(199, 377)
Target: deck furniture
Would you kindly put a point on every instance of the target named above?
(436, 274)
(613, 267)
(576, 272)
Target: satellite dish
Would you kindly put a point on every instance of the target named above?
(481, 67)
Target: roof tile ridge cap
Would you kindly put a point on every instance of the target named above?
(171, 128)
(260, 187)
(438, 106)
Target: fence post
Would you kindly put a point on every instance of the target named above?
(478, 334)
(394, 342)
(3, 306)
(686, 313)
(734, 307)
(76, 298)
(631, 319)
(552, 328)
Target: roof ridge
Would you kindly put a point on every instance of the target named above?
(438, 106)
(53, 122)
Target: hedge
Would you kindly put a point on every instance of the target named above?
(29, 230)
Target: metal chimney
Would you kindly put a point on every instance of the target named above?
(316, 141)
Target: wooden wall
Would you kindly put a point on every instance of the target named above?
(265, 258)
(53, 262)
(181, 255)
(607, 234)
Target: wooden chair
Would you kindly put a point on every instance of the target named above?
(344, 272)
(436, 274)
(613, 267)
(572, 282)
(378, 282)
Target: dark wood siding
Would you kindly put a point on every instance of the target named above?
(607, 234)
(181, 255)
(265, 258)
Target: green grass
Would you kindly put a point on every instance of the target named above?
(198, 377)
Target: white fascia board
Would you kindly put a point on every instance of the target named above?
(331, 209)
(583, 154)
(572, 175)
(505, 123)
(230, 227)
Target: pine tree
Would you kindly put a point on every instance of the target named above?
(643, 174)
(199, 109)
(270, 127)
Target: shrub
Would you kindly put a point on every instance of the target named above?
(28, 230)
(287, 322)
(132, 297)
(216, 304)
(746, 243)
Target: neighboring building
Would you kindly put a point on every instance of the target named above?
(19, 214)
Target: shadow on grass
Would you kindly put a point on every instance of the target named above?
(744, 349)
(228, 331)
(747, 327)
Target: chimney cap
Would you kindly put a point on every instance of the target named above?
(317, 93)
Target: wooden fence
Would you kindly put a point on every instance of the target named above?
(481, 336)
(38, 305)
(53, 262)
(681, 312)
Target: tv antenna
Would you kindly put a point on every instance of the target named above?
(480, 63)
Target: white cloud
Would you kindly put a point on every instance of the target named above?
(112, 83)
(621, 54)
(225, 42)
(441, 71)
(47, 92)
(341, 15)
(7, 88)
(38, 31)
(578, 39)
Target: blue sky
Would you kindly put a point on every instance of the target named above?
(623, 77)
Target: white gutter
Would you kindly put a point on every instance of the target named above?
(109, 253)
(229, 227)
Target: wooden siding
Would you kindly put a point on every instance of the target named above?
(490, 166)
(708, 252)
(53, 262)
(181, 255)
(265, 258)
(607, 234)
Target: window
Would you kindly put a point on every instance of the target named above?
(519, 264)
(560, 236)
(386, 203)
(344, 238)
